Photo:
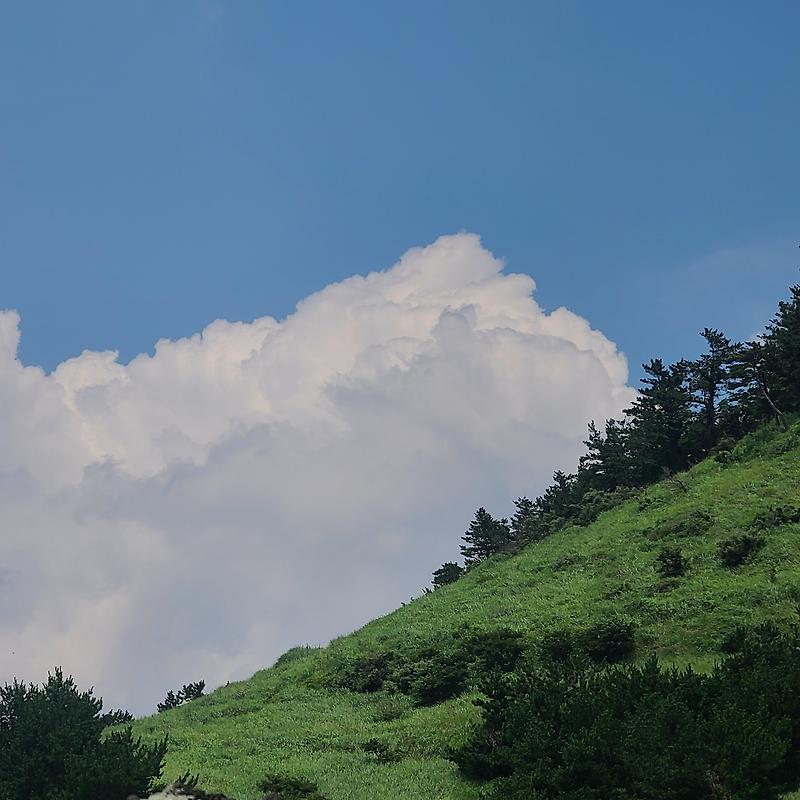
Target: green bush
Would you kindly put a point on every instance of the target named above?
(289, 787)
(644, 732)
(559, 646)
(432, 677)
(52, 746)
(594, 503)
(380, 750)
(682, 526)
(671, 563)
(367, 674)
(609, 640)
(776, 517)
(568, 560)
(737, 550)
(433, 674)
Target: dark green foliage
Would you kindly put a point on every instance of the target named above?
(609, 641)
(710, 383)
(485, 537)
(380, 750)
(670, 563)
(449, 572)
(644, 732)
(498, 650)
(567, 561)
(433, 674)
(172, 700)
(527, 524)
(594, 503)
(682, 526)
(782, 357)
(189, 691)
(52, 748)
(737, 550)
(367, 674)
(660, 420)
(776, 517)
(289, 787)
(116, 717)
(559, 646)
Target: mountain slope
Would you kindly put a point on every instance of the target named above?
(365, 746)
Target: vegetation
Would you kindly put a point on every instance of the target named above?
(296, 718)
(684, 412)
(629, 633)
(644, 732)
(189, 691)
(52, 748)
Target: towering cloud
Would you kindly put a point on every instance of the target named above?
(193, 513)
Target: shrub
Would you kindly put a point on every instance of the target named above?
(52, 746)
(432, 677)
(288, 787)
(671, 563)
(643, 731)
(448, 573)
(610, 640)
(189, 691)
(433, 674)
(367, 674)
(382, 752)
(567, 561)
(776, 517)
(594, 503)
(686, 525)
(559, 646)
(737, 550)
(494, 650)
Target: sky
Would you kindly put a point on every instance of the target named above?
(292, 288)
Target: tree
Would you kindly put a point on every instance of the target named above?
(660, 418)
(189, 691)
(710, 377)
(607, 463)
(782, 352)
(449, 572)
(527, 524)
(52, 747)
(485, 537)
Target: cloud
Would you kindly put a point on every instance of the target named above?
(193, 513)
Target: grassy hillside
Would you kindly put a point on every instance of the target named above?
(284, 719)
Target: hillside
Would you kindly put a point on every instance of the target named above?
(366, 746)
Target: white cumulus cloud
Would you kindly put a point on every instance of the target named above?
(193, 513)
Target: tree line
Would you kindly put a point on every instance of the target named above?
(683, 413)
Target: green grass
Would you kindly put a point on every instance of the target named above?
(284, 719)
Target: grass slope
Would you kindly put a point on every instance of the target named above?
(284, 720)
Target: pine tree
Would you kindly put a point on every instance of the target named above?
(607, 463)
(782, 351)
(660, 420)
(52, 746)
(449, 572)
(527, 524)
(710, 383)
(485, 537)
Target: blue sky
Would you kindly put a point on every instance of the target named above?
(166, 164)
